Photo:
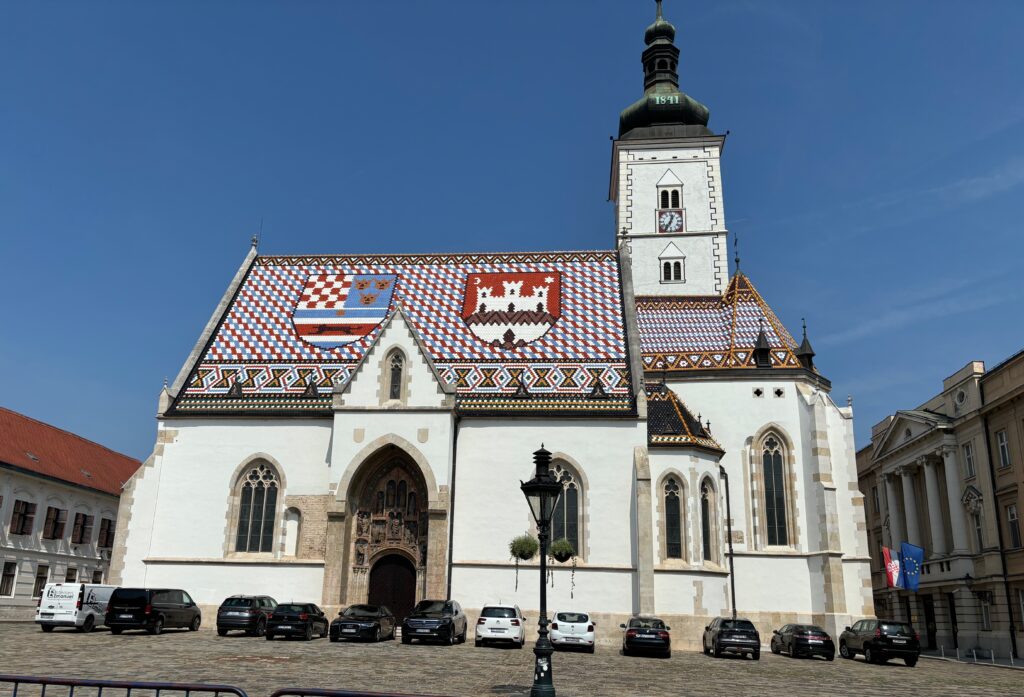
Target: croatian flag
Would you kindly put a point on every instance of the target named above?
(893, 579)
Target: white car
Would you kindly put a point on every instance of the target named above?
(501, 623)
(573, 629)
(79, 605)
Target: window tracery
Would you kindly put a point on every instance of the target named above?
(257, 510)
(565, 520)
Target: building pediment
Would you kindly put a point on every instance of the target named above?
(911, 426)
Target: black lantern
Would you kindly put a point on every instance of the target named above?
(542, 494)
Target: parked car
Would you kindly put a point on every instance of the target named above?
(803, 640)
(726, 635)
(502, 623)
(246, 612)
(646, 634)
(364, 622)
(296, 619)
(152, 609)
(435, 619)
(78, 605)
(573, 629)
(880, 640)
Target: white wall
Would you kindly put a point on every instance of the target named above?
(209, 584)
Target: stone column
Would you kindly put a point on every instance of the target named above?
(931, 484)
(910, 505)
(957, 518)
(892, 505)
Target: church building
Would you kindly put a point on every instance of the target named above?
(354, 429)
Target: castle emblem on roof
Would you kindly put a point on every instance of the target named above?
(336, 309)
(510, 310)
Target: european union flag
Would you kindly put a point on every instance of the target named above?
(911, 559)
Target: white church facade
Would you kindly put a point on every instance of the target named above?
(355, 428)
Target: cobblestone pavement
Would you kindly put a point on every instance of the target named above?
(259, 667)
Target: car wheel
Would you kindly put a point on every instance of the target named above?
(590, 649)
(405, 639)
(911, 661)
(774, 647)
(269, 636)
(261, 628)
(308, 635)
(869, 655)
(221, 631)
(116, 630)
(756, 655)
(704, 647)
(451, 638)
(844, 650)
(376, 638)
(46, 627)
(88, 625)
(462, 637)
(625, 651)
(478, 643)
(196, 621)
(668, 654)
(715, 649)
(157, 627)
(830, 657)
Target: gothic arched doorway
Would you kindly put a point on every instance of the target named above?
(393, 584)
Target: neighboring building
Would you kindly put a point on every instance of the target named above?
(947, 476)
(353, 428)
(58, 509)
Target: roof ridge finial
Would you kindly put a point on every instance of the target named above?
(736, 249)
(803, 321)
(659, 9)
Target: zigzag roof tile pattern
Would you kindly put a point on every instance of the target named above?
(512, 332)
(710, 332)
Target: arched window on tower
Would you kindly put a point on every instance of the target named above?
(773, 469)
(675, 198)
(396, 366)
(677, 271)
(664, 198)
(666, 274)
(673, 520)
(566, 518)
(257, 508)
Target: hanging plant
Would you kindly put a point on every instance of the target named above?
(562, 550)
(522, 548)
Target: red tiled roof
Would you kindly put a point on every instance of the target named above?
(52, 452)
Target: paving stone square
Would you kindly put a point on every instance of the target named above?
(260, 667)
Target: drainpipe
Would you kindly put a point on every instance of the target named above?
(728, 532)
(451, 502)
(999, 525)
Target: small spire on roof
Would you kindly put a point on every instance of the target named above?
(805, 354)
(762, 348)
(849, 400)
(165, 382)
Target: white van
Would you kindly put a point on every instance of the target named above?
(79, 605)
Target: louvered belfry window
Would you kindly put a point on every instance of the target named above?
(257, 510)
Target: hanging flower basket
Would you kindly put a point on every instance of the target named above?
(522, 548)
(562, 550)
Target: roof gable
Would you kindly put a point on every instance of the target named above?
(670, 423)
(908, 426)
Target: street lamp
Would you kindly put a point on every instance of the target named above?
(542, 494)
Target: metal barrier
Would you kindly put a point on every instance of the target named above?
(293, 692)
(18, 681)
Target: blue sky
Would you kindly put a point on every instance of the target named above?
(874, 170)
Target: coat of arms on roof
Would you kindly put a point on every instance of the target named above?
(336, 309)
(510, 310)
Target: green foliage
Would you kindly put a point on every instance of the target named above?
(523, 547)
(562, 550)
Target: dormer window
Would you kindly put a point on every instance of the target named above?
(670, 215)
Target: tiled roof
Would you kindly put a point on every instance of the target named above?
(710, 332)
(552, 322)
(47, 450)
(670, 423)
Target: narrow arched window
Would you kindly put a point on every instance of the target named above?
(675, 198)
(662, 64)
(673, 521)
(400, 503)
(667, 271)
(677, 271)
(664, 198)
(391, 493)
(410, 509)
(565, 521)
(774, 492)
(257, 508)
(395, 364)
(706, 517)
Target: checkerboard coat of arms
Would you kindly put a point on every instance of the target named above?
(509, 310)
(336, 309)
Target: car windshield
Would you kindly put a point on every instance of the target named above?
(896, 628)
(738, 624)
(237, 602)
(572, 617)
(291, 607)
(361, 611)
(506, 612)
(646, 623)
(433, 606)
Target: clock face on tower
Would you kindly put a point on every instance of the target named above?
(670, 221)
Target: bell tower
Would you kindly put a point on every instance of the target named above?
(666, 181)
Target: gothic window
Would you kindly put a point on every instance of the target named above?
(380, 503)
(257, 509)
(396, 363)
(400, 502)
(673, 520)
(677, 271)
(707, 521)
(566, 518)
(774, 491)
(667, 271)
(675, 198)
(391, 494)
(664, 198)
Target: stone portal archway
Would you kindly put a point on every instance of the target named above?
(393, 584)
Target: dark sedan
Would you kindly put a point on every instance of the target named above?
(803, 640)
(367, 622)
(726, 635)
(647, 635)
(441, 620)
(880, 640)
(297, 619)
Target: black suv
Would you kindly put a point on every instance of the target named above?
(152, 609)
(435, 619)
(246, 612)
(726, 635)
(880, 640)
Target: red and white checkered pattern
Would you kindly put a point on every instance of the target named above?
(325, 291)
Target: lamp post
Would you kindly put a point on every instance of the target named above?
(542, 493)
